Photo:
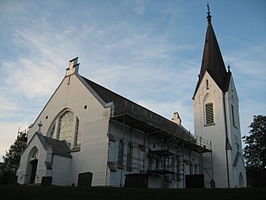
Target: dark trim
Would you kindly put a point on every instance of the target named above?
(226, 141)
(206, 125)
(73, 59)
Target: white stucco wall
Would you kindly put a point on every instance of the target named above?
(60, 171)
(96, 150)
(217, 133)
(93, 124)
(234, 133)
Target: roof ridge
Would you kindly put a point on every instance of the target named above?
(139, 112)
(124, 98)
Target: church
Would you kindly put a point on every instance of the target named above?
(87, 135)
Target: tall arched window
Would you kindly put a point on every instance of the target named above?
(52, 131)
(77, 140)
(120, 161)
(209, 116)
(129, 156)
(66, 127)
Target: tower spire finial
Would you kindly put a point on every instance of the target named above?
(228, 67)
(209, 17)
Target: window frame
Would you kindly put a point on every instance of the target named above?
(209, 114)
(75, 133)
(120, 155)
(129, 156)
(234, 121)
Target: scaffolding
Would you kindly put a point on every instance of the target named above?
(173, 146)
(175, 138)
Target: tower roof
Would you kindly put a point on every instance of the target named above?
(212, 60)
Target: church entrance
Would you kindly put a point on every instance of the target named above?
(33, 164)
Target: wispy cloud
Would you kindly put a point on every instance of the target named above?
(127, 46)
(115, 55)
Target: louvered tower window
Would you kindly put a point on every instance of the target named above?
(233, 116)
(207, 84)
(209, 114)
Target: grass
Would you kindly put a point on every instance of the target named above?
(64, 193)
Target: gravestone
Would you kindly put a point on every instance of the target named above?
(84, 179)
(46, 180)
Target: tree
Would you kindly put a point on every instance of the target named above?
(12, 156)
(255, 152)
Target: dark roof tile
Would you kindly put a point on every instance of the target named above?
(125, 106)
(59, 147)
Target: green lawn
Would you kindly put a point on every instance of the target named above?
(75, 193)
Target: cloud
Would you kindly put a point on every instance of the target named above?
(249, 71)
(32, 78)
(167, 109)
(137, 6)
(9, 132)
(131, 56)
(121, 56)
(249, 61)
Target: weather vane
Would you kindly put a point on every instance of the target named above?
(209, 13)
(228, 67)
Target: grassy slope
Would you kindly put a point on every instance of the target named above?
(65, 193)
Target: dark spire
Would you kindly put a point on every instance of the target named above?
(209, 17)
(212, 60)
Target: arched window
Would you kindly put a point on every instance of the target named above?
(173, 163)
(66, 127)
(129, 156)
(209, 116)
(234, 116)
(120, 154)
(52, 131)
(77, 140)
(207, 84)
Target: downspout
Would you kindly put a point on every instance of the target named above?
(226, 142)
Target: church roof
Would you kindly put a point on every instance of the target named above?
(59, 147)
(212, 61)
(123, 106)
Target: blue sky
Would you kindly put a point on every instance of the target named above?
(148, 51)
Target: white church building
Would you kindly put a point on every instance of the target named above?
(87, 135)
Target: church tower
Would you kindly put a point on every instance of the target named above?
(216, 115)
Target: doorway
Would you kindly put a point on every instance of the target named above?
(33, 164)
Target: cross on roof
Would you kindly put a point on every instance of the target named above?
(40, 126)
(73, 67)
